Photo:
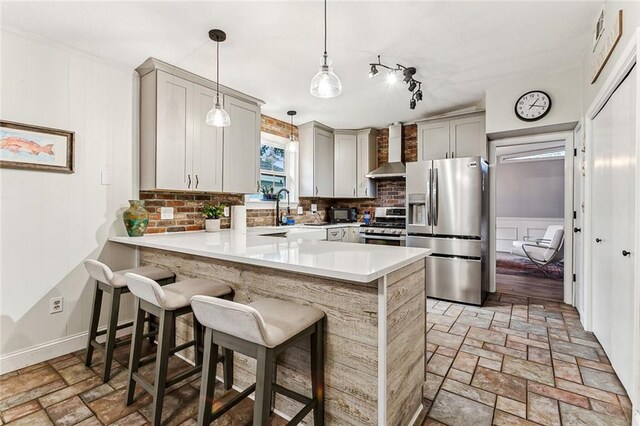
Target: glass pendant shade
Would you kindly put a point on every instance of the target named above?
(292, 146)
(218, 117)
(325, 84)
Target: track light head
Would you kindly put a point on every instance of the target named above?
(374, 71)
(412, 85)
(412, 104)
(408, 74)
(418, 96)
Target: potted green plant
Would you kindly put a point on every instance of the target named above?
(212, 216)
(267, 193)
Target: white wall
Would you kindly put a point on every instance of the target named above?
(530, 189)
(49, 222)
(566, 106)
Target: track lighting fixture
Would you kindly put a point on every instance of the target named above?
(394, 75)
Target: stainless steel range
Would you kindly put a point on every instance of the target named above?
(387, 228)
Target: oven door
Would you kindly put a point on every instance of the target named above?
(382, 240)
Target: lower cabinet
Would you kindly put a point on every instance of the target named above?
(335, 234)
(345, 234)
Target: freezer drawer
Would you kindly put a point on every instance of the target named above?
(455, 279)
(449, 246)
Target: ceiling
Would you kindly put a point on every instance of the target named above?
(273, 48)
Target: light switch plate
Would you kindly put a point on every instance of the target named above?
(166, 213)
(300, 210)
(314, 208)
(105, 177)
(226, 212)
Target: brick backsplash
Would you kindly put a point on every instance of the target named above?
(188, 205)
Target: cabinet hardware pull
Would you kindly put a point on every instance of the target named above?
(354, 192)
(365, 192)
(197, 181)
(258, 185)
(452, 154)
(189, 182)
(598, 240)
(626, 253)
(576, 230)
(446, 154)
(316, 190)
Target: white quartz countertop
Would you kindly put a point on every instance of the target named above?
(329, 259)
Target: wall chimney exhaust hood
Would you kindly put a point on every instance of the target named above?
(395, 168)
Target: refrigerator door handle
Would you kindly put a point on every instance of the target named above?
(428, 197)
(435, 198)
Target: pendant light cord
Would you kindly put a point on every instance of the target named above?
(217, 72)
(325, 27)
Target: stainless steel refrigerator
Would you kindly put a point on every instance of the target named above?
(447, 211)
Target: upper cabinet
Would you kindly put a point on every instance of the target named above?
(345, 152)
(462, 136)
(316, 160)
(367, 161)
(178, 150)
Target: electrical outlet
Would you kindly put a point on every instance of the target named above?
(105, 177)
(226, 212)
(56, 305)
(166, 213)
(314, 208)
(300, 210)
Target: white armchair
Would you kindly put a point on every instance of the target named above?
(543, 251)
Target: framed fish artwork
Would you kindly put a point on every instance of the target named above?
(23, 146)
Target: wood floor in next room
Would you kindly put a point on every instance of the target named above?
(62, 391)
(517, 361)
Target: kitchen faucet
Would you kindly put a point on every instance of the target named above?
(278, 205)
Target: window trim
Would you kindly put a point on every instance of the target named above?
(291, 173)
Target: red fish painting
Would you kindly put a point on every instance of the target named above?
(15, 144)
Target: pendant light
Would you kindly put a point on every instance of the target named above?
(325, 84)
(292, 146)
(217, 116)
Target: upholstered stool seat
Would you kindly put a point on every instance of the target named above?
(113, 282)
(262, 330)
(167, 303)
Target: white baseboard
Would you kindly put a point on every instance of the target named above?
(45, 351)
(416, 415)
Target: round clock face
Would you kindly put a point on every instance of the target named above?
(533, 106)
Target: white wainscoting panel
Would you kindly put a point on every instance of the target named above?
(510, 229)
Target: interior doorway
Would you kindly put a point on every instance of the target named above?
(531, 219)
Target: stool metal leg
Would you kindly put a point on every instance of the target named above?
(264, 373)
(93, 326)
(112, 328)
(227, 369)
(167, 322)
(317, 373)
(136, 350)
(208, 379)
(197, 336)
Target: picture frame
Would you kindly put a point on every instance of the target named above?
(37, 148)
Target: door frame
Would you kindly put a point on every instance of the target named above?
(567, 137)
(627, 60)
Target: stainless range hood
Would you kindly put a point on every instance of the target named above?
(395, 168)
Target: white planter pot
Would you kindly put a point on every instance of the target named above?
(212, 225)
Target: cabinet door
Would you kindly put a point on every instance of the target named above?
(345, 165)
(468, 137)
(174, 132)
(241, 147)
(335, 234)
(323, 163)
(433, 141)
(207, 143)
(367, 159)
(354, 234)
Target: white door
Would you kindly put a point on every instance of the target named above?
(433, 141)
(207, 143)
(367, 160)
(623, 164)
(323, 163)
(468, 137)
(345, 165)
(578, 197)
(241, 147)
(614, 195)
(174, 140)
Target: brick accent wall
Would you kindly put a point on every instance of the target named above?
(188, 205)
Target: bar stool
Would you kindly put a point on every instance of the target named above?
(113, 283)
(168, 303)
(261, 330)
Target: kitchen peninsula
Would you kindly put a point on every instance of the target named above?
(373, 297)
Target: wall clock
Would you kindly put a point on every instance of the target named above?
(533, 105)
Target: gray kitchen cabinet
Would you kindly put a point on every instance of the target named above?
(461, 136)
(353, 234)
(367, 161)
(178, 150)
(316, 160)
(345, 164)
(336, 234)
